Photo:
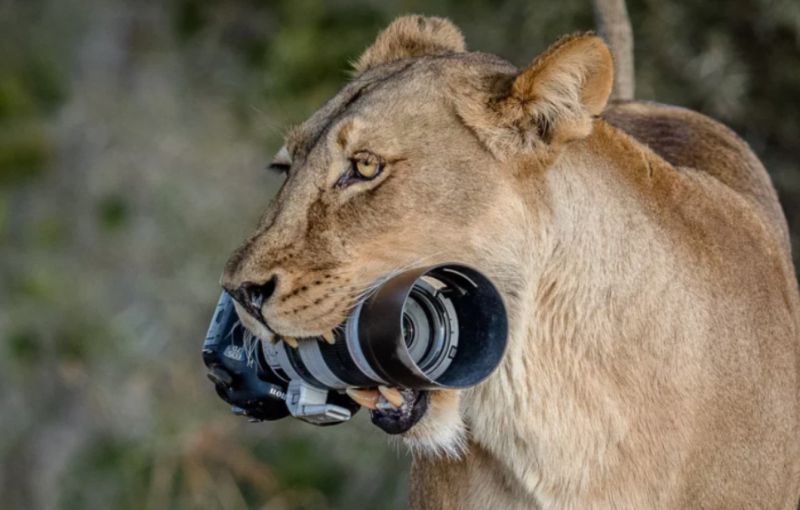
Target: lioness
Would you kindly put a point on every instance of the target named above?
(640, 248)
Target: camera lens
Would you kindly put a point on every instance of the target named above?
(441, 326)
(416, 328)
(430, 327)
(408, 330)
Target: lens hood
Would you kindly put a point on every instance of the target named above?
(482, 327)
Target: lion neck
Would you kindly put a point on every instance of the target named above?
(571, 307)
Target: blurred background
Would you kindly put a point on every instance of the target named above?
(133, 141)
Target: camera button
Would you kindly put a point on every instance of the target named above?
(220, 376)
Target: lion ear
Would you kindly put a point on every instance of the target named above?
(411, 36)
(577, 71)
(564, 87)
(550, 102)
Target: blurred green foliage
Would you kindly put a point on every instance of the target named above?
(132, 142)
(31, 88)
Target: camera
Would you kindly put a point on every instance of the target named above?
(442, 326)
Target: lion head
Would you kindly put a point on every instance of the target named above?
(422, 158)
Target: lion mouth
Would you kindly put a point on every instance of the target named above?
(393, 410)
(400, 420)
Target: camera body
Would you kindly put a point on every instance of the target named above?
(242, 376)
(442, 326)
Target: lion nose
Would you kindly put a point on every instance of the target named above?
(252, 295)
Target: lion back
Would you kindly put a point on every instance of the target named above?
(688, 139)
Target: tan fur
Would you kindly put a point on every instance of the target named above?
(653, 357)
(412, 36)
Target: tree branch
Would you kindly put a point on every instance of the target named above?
(613, 24)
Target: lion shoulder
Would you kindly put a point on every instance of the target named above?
(687, 139)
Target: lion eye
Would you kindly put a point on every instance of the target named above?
(367, 169)
(282, 162)
(281, 168)
(366, 166)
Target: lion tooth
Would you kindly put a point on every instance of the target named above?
(364, 398)
(328, 337)
(392, 395)
(291, 341)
